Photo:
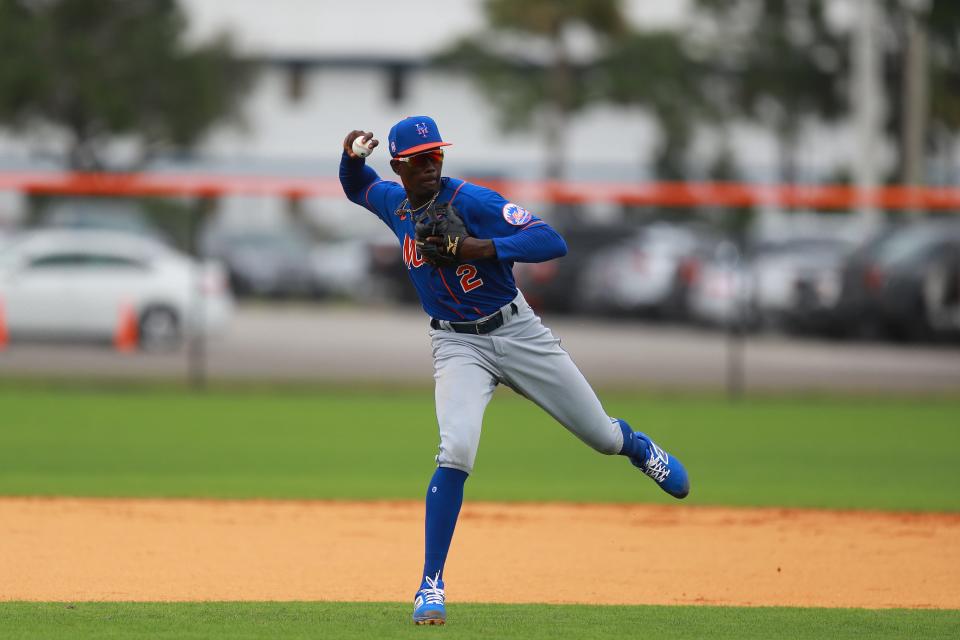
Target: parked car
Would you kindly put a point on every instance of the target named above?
(557, 285)
(342, 268)
(387, 274)
(69, 284)
(941, 294)
(721, 292)
(105, 214)
(272, 261)
(905, 284)
(648, 273)
(796, 282)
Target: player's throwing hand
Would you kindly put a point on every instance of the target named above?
(366, 138)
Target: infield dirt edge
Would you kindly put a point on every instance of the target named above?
(108, 549)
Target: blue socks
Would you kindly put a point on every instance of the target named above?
(444, 498)
(632, 447)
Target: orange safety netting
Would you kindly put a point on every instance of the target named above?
(672, 194)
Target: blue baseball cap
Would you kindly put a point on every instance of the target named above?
(414, 134)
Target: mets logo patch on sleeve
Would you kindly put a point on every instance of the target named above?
(515, 214)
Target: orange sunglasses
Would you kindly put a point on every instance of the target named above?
(420, 160)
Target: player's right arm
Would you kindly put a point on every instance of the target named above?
(360, 183)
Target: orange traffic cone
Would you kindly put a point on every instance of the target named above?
(125, 338)
(4, 335)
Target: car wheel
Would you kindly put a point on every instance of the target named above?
(159, 329)
(239, 286)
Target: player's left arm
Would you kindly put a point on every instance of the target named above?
(536, 242)
(514, 233)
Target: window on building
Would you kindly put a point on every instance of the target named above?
(296, 81)
(396, 83)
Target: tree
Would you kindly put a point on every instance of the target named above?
(655, 70)
(104, 71)
(943, 24)
(939, 22)
(525, 62)
(783, 63)
(789, 63)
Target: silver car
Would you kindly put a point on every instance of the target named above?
(795, 282)
(70, 284)
(648, 273)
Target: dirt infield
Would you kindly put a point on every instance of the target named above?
(110, 549)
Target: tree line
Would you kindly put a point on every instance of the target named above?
(780, 63)
(105, 71)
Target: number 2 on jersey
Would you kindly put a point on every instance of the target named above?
(468, 279)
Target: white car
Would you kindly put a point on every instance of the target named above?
(720, 294)
(647, 273)
(85, 284)
(797, 277)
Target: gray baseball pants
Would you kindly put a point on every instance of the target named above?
(525, 356)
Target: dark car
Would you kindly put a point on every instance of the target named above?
(106, 214)
(555, 285)
(797, 282)
(271, 262)
(649, 272)
(904, 284)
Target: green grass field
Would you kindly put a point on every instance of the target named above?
(367, 621)
(881, 454)
(815, 452)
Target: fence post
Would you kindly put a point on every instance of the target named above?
(196, 339)
(735, 329)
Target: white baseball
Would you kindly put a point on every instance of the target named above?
(360, 147)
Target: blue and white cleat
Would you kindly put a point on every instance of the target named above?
(428, 604)
(666, 470)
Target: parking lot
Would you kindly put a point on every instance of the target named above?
(390, 345)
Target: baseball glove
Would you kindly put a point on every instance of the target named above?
(440, 232)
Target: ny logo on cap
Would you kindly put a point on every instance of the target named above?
(422, 129)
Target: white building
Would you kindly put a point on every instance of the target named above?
(330, 67)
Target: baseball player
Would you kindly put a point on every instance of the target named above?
(459, 242)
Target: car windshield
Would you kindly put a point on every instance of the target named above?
(665, 239)
(803, 246)
(905, 245)
(270, 242)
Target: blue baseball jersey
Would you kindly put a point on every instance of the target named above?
(468, 290)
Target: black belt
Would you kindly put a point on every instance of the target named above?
(479, 328)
